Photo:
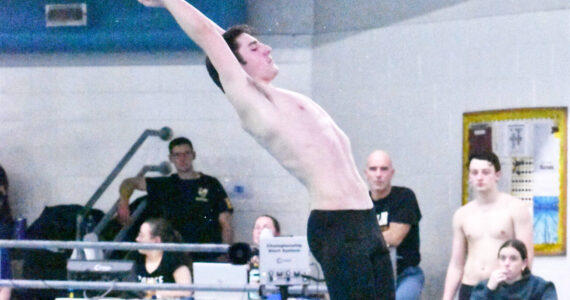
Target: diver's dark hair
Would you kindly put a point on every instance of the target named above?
(230, 36)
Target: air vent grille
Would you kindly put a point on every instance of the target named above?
(73, 14)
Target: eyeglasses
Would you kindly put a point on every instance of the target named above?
(181, 154)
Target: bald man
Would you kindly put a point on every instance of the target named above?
(399, 216)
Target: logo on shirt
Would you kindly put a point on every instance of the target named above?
(202, 193)
(228, 203)
(151, 280)
(382, 218)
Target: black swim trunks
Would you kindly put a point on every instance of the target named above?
(353, 255)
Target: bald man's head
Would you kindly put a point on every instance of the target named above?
(379, 172)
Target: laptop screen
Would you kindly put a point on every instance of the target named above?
(219, 274)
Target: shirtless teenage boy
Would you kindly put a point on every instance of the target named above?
(342, 231)
(482, 225)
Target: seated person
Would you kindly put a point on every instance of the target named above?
(262, 222)
(157, 266)
(513, 280)
(265, 225)
(6, 228)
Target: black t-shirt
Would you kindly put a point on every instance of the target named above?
(165, 271)
(401, 206)
(6, 229)
(191, 206)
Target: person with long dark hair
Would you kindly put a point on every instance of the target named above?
(157, 266)
(5, 212)
(6, 225)
(513, 280)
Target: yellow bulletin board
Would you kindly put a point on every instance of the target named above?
(531, 145)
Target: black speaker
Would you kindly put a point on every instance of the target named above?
(239, 253)
(100, 270)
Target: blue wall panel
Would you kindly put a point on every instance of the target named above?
(112, 26)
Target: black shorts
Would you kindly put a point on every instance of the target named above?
(465, 292)
(353, 255)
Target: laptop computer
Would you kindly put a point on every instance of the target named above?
(219, 274)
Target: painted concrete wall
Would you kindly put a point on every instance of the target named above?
(398, 85)
(281, 17)
(404, 88)
(67, 120)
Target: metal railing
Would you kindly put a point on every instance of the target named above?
(131, 286)
(165, 134)
(163, 168)
(40, 244)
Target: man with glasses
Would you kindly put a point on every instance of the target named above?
(194, 203)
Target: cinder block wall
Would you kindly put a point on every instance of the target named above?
(404, 86)
(401, 84)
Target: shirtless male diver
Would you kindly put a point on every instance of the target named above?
(482, 225)
(343, 233)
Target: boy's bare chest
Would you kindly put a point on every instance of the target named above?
(493, 223)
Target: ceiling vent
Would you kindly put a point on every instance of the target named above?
(73, 14)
